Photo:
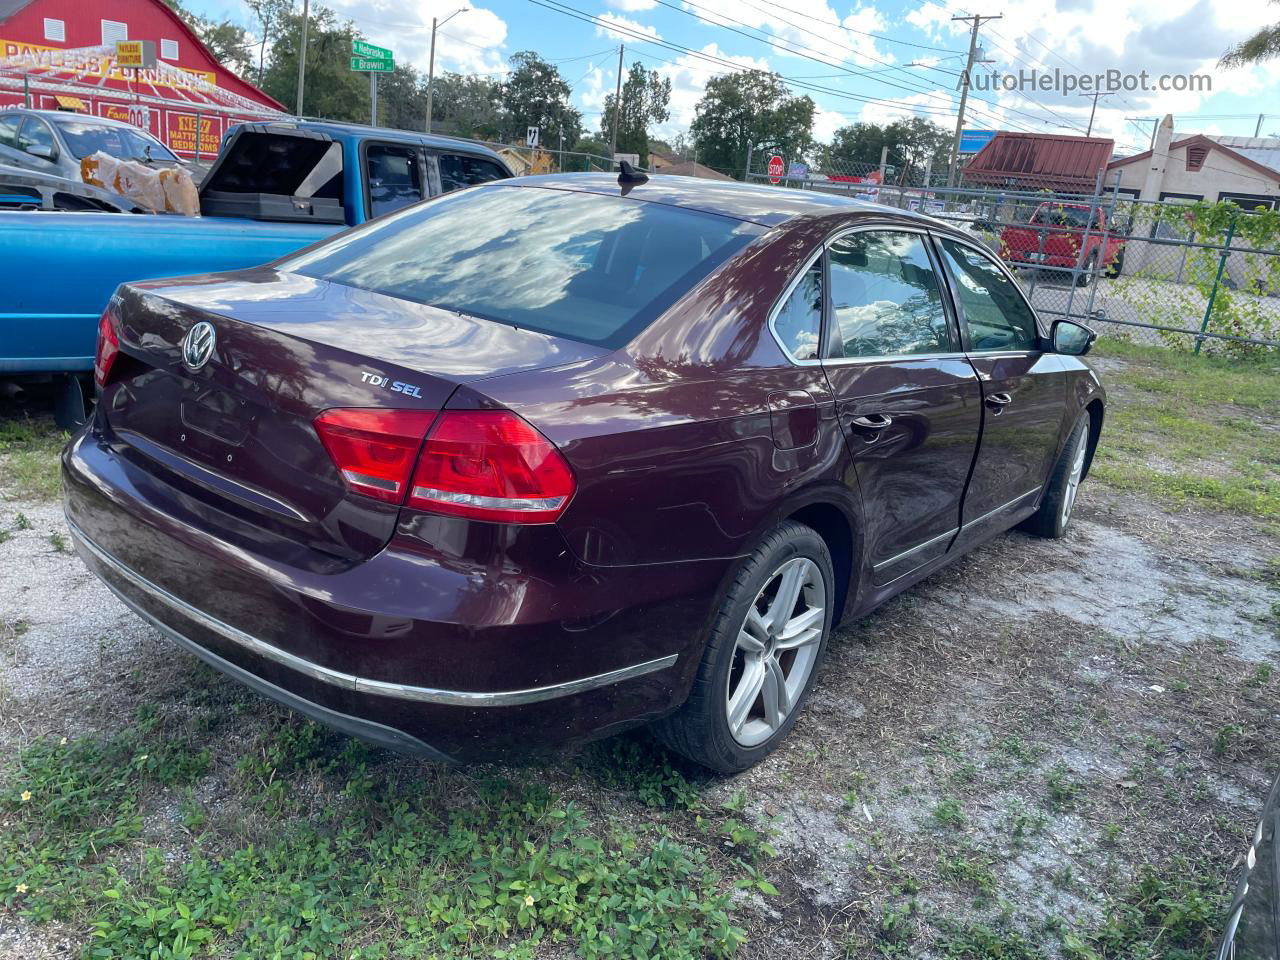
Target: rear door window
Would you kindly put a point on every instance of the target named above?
(591, 267)
(885, 297)
(459, 170)
(394, 177)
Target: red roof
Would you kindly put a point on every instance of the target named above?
(1035, 160)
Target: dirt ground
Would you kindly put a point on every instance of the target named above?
(1051, 748)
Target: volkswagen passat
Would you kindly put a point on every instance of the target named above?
(549, 458)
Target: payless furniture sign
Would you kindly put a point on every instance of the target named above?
(89, 62)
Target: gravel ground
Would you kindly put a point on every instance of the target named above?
(1108, 662)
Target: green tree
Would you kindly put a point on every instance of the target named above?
(469, 106)
(755, 111)
(537, 96)
(1263, 45)
(333, 90)
(913, 142)
(402, 99)
(271, 16)
(645, 96)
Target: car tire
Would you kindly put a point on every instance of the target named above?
(1054, 515)
(750, 653)
(1116, 265)
(1086, 271)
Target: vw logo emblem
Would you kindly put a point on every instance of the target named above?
(198, 344)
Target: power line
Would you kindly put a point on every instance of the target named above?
(774, 40)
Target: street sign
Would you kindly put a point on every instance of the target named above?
(373, 66)
(777, 168)
(797, 171)
(135, 53)
(369, 52)
(531, 137)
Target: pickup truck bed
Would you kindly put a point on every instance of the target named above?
(79, 259)
(274, 189)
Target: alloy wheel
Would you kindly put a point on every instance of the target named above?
(1073, 479)
(776, 649)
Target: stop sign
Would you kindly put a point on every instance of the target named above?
(776, 168)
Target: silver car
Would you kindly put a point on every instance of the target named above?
(54, 141)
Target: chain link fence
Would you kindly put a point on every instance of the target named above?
(1204, 277)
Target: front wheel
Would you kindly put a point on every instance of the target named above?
(759, 662)
(1054, 515)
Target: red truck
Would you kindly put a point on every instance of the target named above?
(1055, 237)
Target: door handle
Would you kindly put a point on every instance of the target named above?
(998, 401)
(874, 422)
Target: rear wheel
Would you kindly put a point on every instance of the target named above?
(1086, 270)
(766, 642)
(1054, 515)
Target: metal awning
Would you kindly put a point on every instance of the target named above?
(71, 103)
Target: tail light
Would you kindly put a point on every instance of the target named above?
(491, 465)
(374, 450)
(483, 465)
(108, 348)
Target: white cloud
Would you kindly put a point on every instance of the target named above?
(689, 76)
(902, 108)
(471, 42)
(630, 28)
(826, 123)
(632, 6)
(806, 29)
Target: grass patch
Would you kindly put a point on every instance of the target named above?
(1193, 429)
(349, 858)
(29, 449)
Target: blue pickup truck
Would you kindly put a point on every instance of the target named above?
(274, 188)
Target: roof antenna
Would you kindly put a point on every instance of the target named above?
(630, 174)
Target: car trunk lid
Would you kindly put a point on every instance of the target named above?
(236, 434)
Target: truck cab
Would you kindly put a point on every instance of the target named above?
(1071, 237)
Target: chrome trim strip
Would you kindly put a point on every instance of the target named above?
(916, 549)
(347, 681)
(892, 358)
(1004, 506)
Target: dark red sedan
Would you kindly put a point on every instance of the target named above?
(548, 458)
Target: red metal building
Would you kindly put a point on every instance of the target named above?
(1036, 161)
(61, 54)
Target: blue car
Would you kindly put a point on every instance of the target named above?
(275, 187)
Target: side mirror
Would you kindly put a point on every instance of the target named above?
(1071, 338)
(43, 151)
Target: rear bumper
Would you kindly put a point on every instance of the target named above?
(511, 684)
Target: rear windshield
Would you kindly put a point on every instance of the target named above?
(588, 267)
(85, 138)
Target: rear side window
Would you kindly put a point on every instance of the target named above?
(798, 322)
(35, 133)
(85, 138)
(9, 131)
(885, 296)
(994, 311)
(458, 171)
(589, 267)
(395, 177)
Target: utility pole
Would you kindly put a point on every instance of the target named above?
(617, 104)
(964, 90)
(431, 60)
(302, 54)
(1096, 94)
(1257, 131)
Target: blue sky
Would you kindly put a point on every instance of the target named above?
(872, 61)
